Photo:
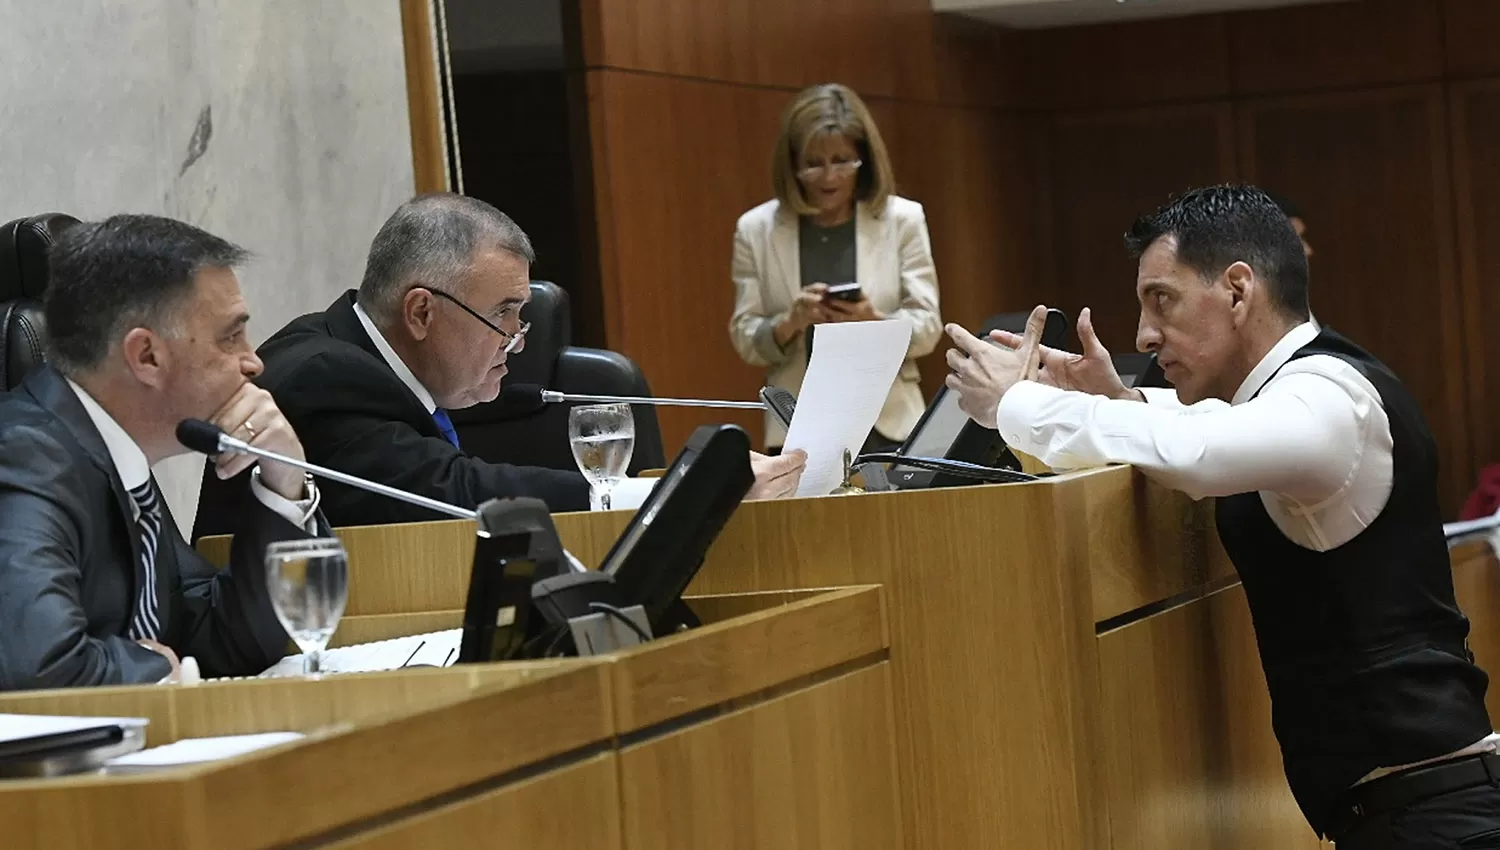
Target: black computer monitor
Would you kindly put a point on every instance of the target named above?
(1140, 370)
(661, 550)
(945, 431)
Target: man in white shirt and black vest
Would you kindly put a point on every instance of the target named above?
(1326, 480)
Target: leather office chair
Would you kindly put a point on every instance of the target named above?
(503, 431)
(24, 268)
(1013, 322)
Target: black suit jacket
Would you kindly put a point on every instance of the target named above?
(68, 555)
(354, 414)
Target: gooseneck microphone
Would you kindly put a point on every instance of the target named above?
(527, 397)
(210, 439)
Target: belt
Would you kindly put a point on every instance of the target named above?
(1399, 790)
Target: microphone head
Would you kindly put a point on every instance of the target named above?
(521, 399)
(199, 436)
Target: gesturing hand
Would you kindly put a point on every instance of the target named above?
(1091, 372)
(984, 372)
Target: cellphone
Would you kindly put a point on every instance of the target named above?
(780, 402)
(844, 292)
(1055, 329)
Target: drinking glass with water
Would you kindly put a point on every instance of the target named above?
(603, 439)
(308, 581)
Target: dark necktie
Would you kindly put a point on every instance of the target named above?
(144, 623)
(445, 425)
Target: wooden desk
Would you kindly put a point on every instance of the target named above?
(1476, 581)
(1073, 663)
(626, 750)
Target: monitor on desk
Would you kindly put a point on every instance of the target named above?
(945, 431)
(1140, 370)
(666, 541)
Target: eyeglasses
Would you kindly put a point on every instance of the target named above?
(514, 339)
(837, 169)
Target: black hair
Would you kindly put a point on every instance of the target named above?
(1218, 226)
(124, 272)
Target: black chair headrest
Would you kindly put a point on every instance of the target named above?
(24, 247)
(549, 315)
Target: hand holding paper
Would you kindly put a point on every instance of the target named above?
(852, 369)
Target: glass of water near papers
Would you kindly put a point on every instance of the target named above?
(308, 582)
(603, 438)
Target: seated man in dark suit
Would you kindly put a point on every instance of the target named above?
(97, 586)
(368, 382)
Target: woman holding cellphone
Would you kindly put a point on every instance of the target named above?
(835, 244)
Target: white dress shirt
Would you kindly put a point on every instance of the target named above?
(629, 493)
(133, 468)
(393, 360)
(1315, 443)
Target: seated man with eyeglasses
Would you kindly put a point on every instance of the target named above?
(368, 382)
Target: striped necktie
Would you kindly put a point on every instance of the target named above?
(144, 623)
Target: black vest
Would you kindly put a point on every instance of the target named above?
(1363, 646)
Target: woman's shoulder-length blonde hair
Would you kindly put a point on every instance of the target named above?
(830, 108)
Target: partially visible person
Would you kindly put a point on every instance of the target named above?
(1293, 212)
(834, 219)
(368, 383)
(1299, 222)
(97, 586)
(1325, 476)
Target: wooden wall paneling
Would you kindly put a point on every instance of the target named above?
(1188, 753)
(1160, 61)
(802, 770)
(1336, 45)
(429, 150)
(681, 160)
(866, 44)
(1471, 28)
(1476, 586)
(972, 63)
(576, 806)
(1371, 170)
(593, 206)
(1475, 116)
(968, 168)
(1107, 169)
(1253, 807)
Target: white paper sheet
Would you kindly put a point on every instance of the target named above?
(433, 649)
(852, 369)
(22, 727)
(626, 495)
(199, 750)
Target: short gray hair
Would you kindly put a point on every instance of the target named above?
(431, 241)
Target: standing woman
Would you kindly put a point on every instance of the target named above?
(834, 220)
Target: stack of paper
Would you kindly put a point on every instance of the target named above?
(434, 649)
(198, 750)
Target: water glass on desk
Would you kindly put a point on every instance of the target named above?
(603, 438)
(308, 581)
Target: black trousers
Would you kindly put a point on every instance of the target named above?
(1468, 819)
